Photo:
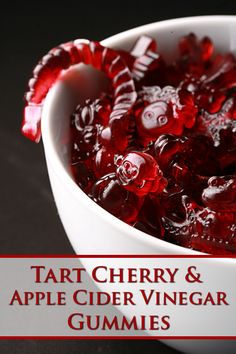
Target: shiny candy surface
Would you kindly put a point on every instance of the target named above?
(158, 149)
(64, 56)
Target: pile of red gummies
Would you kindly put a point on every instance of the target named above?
(158, 148)
(170, 168)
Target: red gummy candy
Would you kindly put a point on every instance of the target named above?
(203, 229)
(146, 57)
(162, 159)
(139, 173)
(194, 51)
(110, 195)
(80, 51)
(32, 122)
(85, 129)
(213, 124)
(195, 57)
(167, 146)
(211, 89)
(168, 167)
(104, 162)
(83, 175)
(220, 195)
(149, 217)
(161, 111)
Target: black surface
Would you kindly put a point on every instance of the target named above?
(28, 217)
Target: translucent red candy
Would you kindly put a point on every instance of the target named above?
(213, 124)
(226, 152)
(220, 194)
(139, 173)
(193, 61)
(158, 151)
(103, 162)
(146, 58)
(167, 147)
(87, 122)
(194, 52)
(212, 87)
(144, 61)
(50, 67)
(203, 229)
(170, 149)
(110, 195)
(161, 111)
(149, 217)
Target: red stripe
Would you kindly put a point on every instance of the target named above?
(114, 256)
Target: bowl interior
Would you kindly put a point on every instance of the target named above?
(80, 82)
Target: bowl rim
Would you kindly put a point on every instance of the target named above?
(67, 180)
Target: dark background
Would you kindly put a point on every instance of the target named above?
(28, 217)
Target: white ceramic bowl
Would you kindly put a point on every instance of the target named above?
(91, 229)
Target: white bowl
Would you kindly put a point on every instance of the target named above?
(91, 229)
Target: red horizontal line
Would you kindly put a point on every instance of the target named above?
(114, 256)
(119, 337)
